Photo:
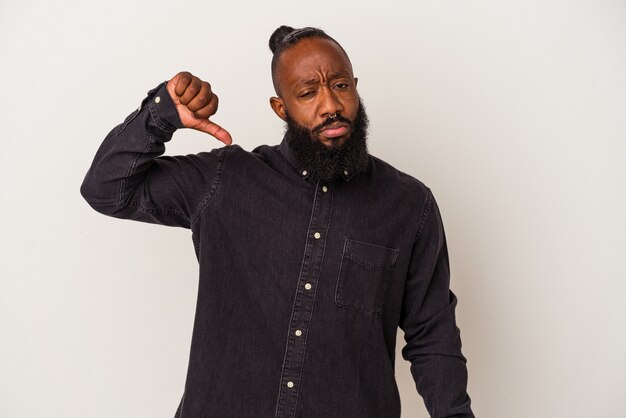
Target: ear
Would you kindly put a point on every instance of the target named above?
(356, 81)
(278, 106)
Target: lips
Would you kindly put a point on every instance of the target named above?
(335, 130)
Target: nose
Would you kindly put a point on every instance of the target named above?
(329, 103)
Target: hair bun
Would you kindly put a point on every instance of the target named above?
(278, 36)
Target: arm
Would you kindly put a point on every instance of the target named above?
(433, 342)
(129, 178)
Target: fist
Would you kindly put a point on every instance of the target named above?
(195, 103)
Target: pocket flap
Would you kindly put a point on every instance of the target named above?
(370, 256)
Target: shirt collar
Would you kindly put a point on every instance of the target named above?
(302, 169)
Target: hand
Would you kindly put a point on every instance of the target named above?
(195, 103)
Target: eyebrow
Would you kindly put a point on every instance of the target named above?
(316, 80)
(309, 82)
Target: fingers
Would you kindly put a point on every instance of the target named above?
(203, 98)
(181, 81)
(207, 110)
(193, 88)
(187, 87)
(195, 94)
(214, 130)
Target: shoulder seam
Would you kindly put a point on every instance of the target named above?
(425, 213)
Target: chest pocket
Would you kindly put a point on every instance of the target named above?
(364, 275)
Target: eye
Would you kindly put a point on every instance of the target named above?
(342, 86)
(307, 93)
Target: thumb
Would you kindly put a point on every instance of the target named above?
(214, 130)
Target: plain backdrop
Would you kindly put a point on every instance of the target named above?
(513, 112)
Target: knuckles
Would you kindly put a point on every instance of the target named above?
(203, 98)
(196, 95)
(183, 76)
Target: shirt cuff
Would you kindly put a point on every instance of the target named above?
(162, 108)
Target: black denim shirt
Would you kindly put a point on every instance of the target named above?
(303, 283)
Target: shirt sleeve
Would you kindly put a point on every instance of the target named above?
(130, 178)
(433, 342)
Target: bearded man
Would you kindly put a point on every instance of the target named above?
(311, 252)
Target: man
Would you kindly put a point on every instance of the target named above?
(312, 252)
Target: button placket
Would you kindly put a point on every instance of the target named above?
(303, 305)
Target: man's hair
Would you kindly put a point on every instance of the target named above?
(286, 37)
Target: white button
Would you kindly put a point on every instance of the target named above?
(304, 173)
(324, 189)
(298, 333)
(290, 384)
(157, 99)
(317, 235)
(345, 172)
(307, 286)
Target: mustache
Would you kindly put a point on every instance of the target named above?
(330, 121)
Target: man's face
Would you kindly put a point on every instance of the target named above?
(315, 81)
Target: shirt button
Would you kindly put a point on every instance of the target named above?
(298, 333)
(307, 286)
(317, 235)
(324, 189)
(290, 384)
(157, 99)
(345, 172)
(304, 173)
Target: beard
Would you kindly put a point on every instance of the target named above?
(328, 163)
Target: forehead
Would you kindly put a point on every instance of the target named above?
(313, 58)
